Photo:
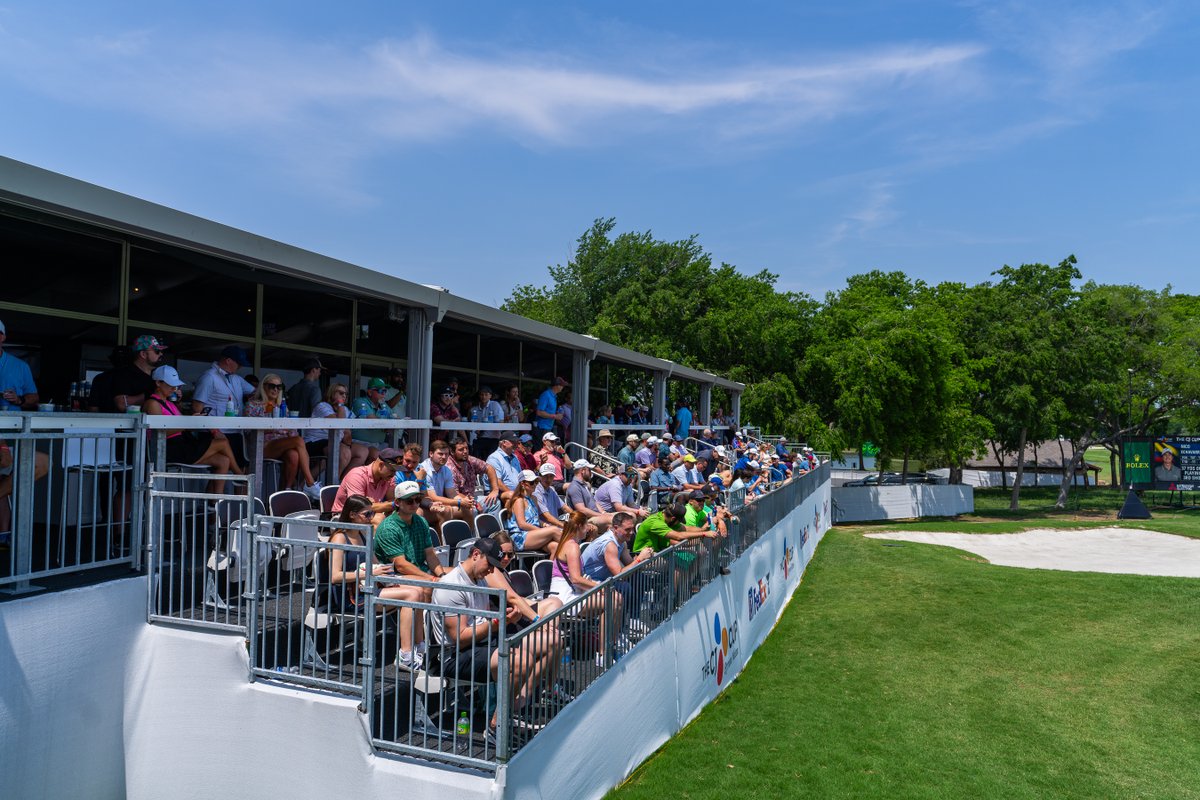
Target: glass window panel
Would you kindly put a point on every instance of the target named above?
(304, 314)
(58, 350)
(57, 268)
(380, 333)
(172, 286)
(498, 355)
(454, 348)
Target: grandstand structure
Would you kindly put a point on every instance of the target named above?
(163, 639)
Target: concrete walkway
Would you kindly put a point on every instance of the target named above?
(1123, 550)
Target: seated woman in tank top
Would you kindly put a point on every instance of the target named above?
(189, 447)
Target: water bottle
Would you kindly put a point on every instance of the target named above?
(283, 407)
(230, 409)
(475, 414)
(464, 725)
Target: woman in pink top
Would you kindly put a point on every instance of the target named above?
(282, 443)
(189, 447)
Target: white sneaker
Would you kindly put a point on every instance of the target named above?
(313, 491)
(413, 662)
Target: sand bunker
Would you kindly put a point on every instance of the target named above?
(1123, 550)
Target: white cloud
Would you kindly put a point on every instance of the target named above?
(391, 91)
(875, 211)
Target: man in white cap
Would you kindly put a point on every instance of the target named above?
(16, 381)
(581, 498)
(549, 504)
(626, 454)
(647, 456)
(553, 454)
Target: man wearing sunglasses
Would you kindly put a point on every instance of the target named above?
(405, 541)
(376, 480)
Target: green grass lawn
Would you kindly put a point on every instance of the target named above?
(918, 671)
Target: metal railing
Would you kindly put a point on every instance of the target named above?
(200, 552)
(219, 562)
(302, 623)
(446, 707)
(598, 456)
(70, 495)
(603, 624)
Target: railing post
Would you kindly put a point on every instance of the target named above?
(252, 623)
(140, 495)
(368, 658)
(609, 641)
(258, 464)
(23, 512)
(504, 693)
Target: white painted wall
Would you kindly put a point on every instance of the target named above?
(864, 503)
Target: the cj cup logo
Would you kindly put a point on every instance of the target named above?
(756, 595)
(789, 559)
(724, 650)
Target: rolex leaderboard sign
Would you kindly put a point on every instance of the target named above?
(1166, 462)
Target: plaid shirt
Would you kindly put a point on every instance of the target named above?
(466, 474)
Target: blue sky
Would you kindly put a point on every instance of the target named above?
(469, 144)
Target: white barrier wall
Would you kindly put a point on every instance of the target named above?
(64, 673)
(667, 679)
(863, 503)
(201, 730)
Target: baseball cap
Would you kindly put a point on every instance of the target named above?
(667, 436)
(583, 463)
(721, 451)
(633, 437)
(546, 469)
(689, 457)
(605, 432)
(560, 381)
(378, 384)
(448, 390)
(549, 437)
(407, 489)
(490, 549)
(696, 494)
(390, 455)
(527, 475)
(167, 375)
(486, 390)
(237, 354)
(652, 440)
(314, 363)
(754, 465)
(646, 437)
(526, 438)
(509, 437)
(715, 480)
(148, 342)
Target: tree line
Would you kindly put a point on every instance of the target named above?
(936, 372)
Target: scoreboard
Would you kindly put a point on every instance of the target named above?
(1163, 462)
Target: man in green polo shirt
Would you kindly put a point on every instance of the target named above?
(404, 539)
(667, 527)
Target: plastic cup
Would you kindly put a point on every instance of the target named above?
(133, 409)
(294, 414)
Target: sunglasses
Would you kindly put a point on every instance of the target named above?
(273, 386)
(507, 553)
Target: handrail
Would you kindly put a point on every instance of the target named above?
(600, 454)
(189, 423)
